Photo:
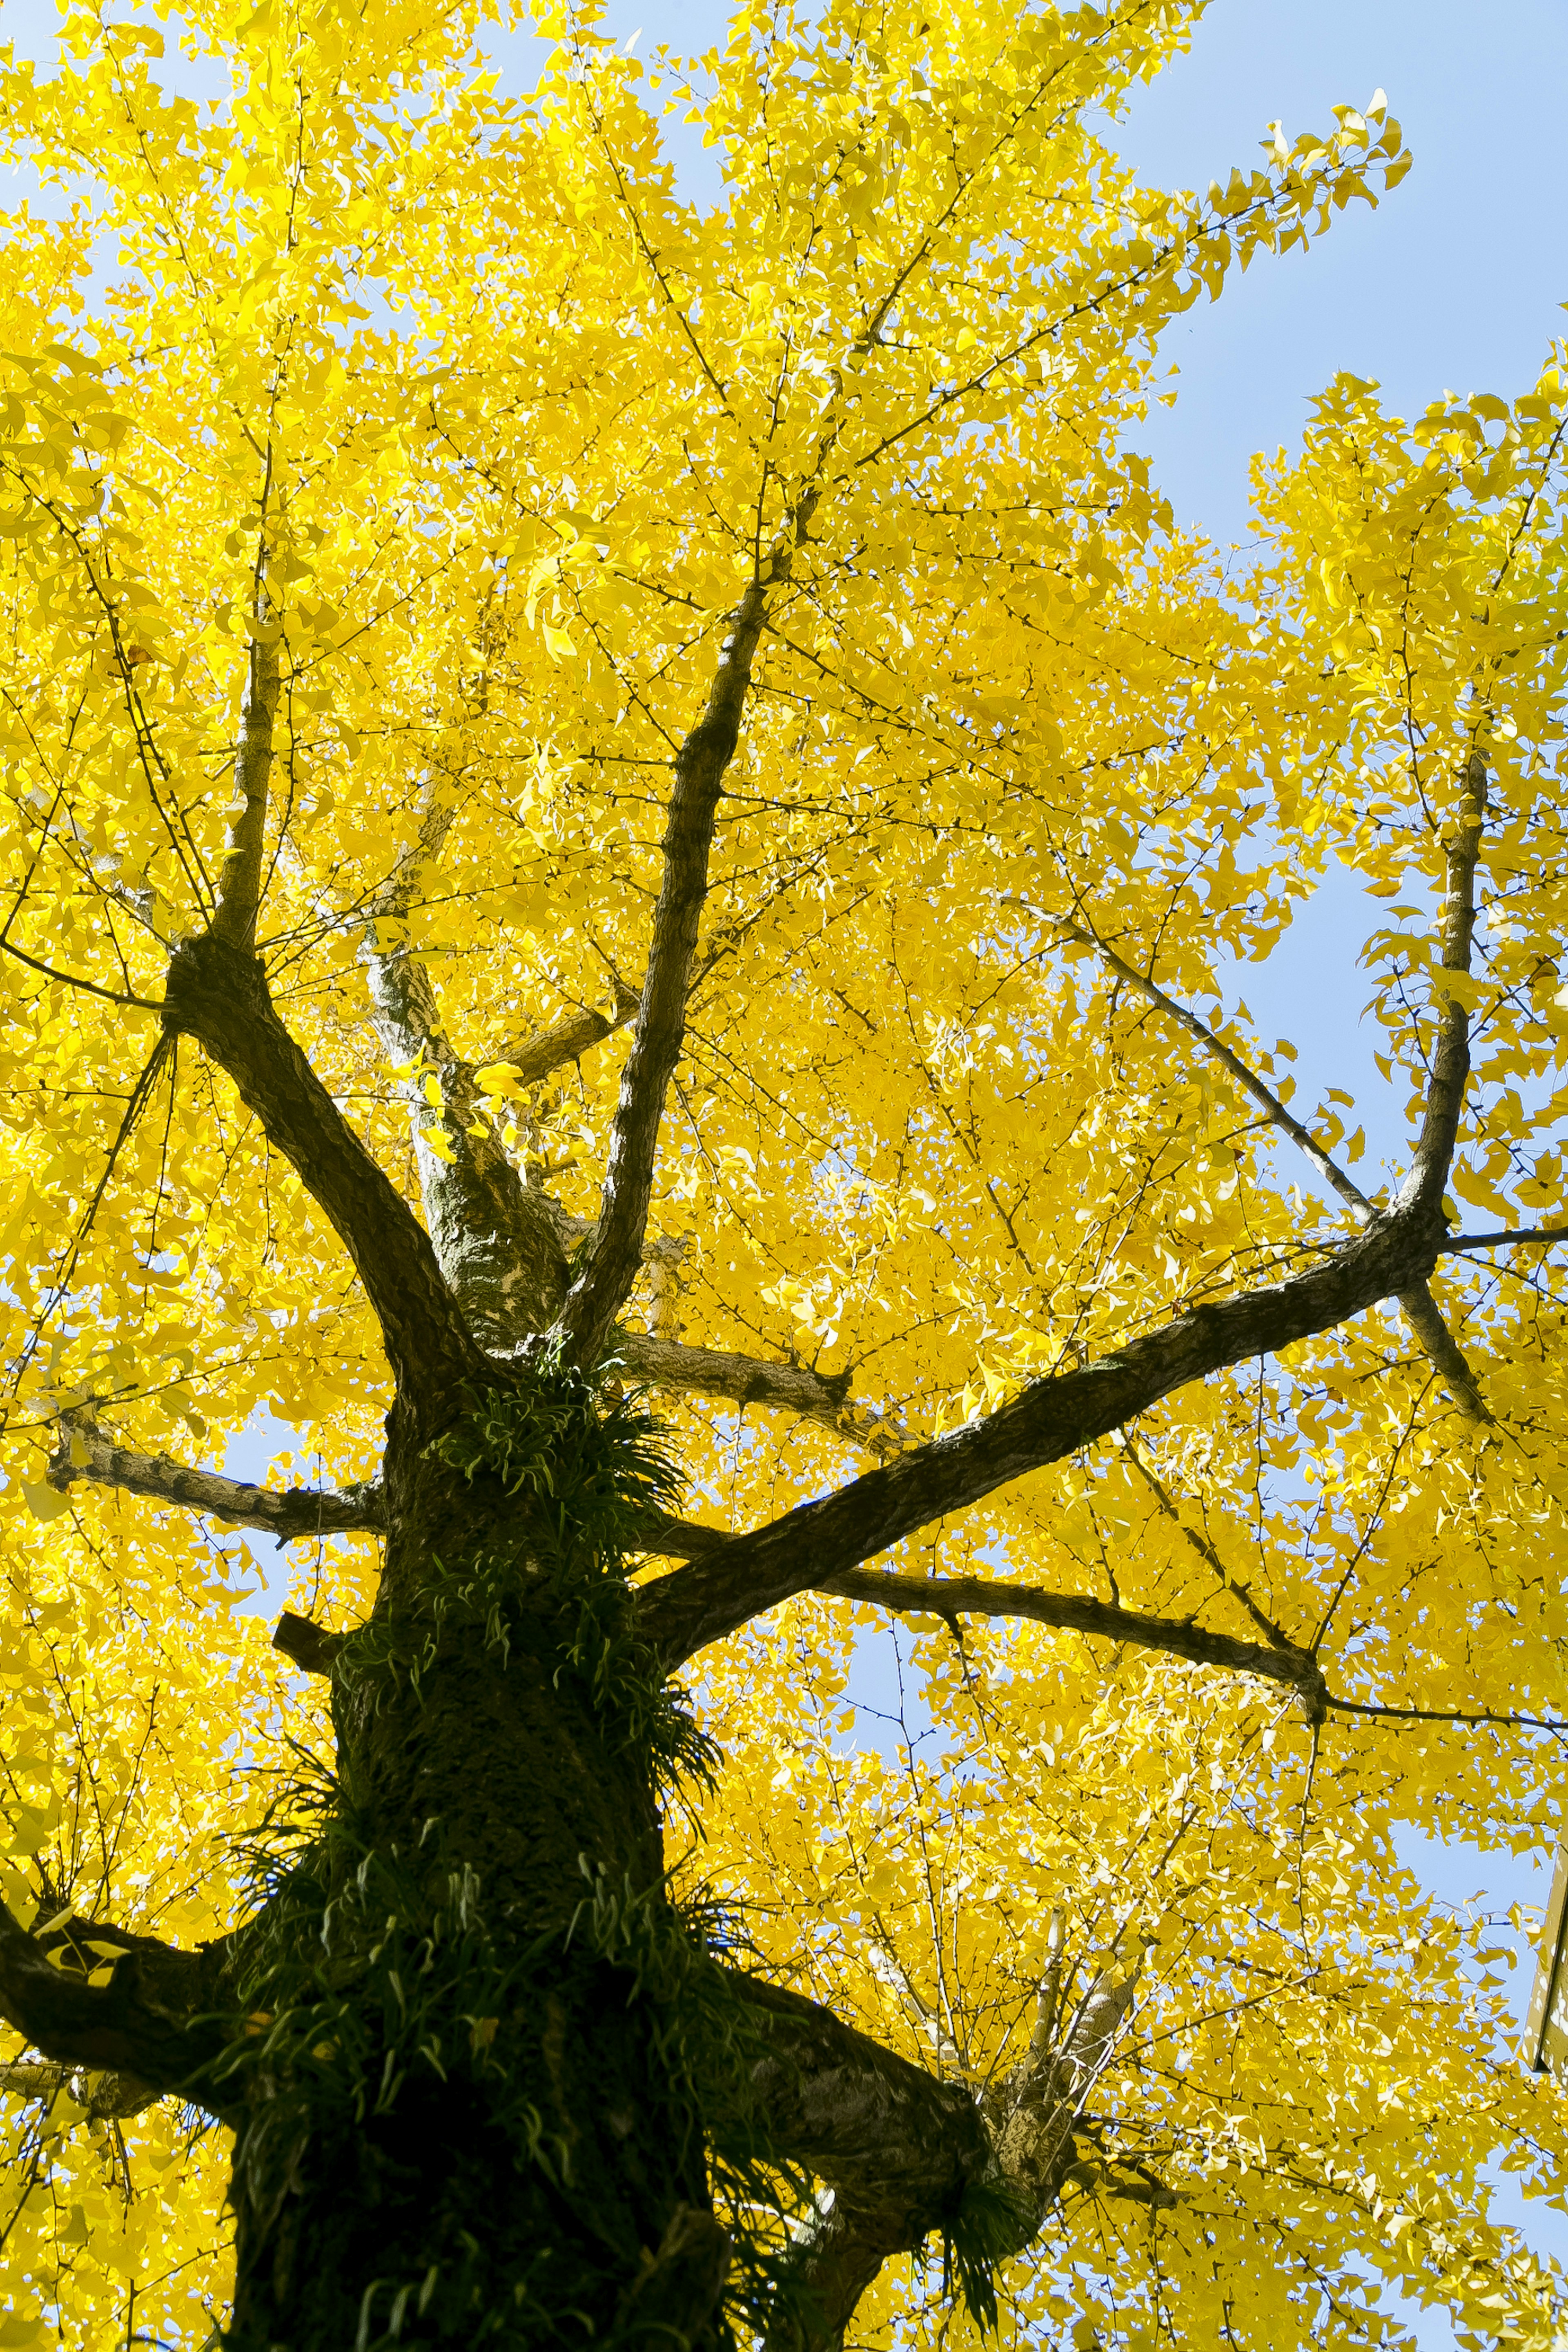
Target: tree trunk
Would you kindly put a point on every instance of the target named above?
(472, 2111)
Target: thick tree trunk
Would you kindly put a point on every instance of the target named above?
(470, 2107)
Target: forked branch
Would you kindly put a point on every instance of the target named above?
(1420, 1309)
(1051, 1419)
(899, 2149)
(1389, 1256)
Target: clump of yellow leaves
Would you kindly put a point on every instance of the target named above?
(454, 401)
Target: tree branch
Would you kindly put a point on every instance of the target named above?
(980, 1596)
(1528, 1237)
(1451, 1062)
(495, 1238)
(140, 2024)
(897, 2147)
(750, 1379)
(102, 2095)
(1051, 1419)
(1420, 1309)
(313, 1649)
(1391, 1256)
(84, 1451)
(569, 1039)
(218, 993)
(601, 1289)
(240, 885)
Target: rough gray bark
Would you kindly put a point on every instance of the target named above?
(495, 1240)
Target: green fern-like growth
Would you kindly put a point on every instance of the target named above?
(591, 1466)
(590, 1459)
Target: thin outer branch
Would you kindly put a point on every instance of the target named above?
(601, 1289)
(1219, 1051)
(956, 1596)
(1528, 1237)
(1425, 1316)
(1276, 1634)
(980, 1596)
(239, 887)
(84, 1451)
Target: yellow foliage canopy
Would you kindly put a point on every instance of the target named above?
(446, 406)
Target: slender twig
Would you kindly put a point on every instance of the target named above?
(1529, 1237)
(74, 980)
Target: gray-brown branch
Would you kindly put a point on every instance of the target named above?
(751, 1380)
(568, 1039)
(980, 1596)
(85, 1451)
(1392, 1251)
(102, 2095)
(240, 885)
(498, 1239)
(1052, 1419)
(897, 2148)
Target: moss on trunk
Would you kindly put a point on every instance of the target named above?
(472, 2064)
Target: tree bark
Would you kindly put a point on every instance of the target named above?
(466, 2114)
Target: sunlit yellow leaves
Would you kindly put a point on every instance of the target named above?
(504, 425)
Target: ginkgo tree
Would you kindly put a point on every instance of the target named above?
(622, 827)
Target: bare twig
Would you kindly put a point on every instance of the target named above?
(1528, 1237)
